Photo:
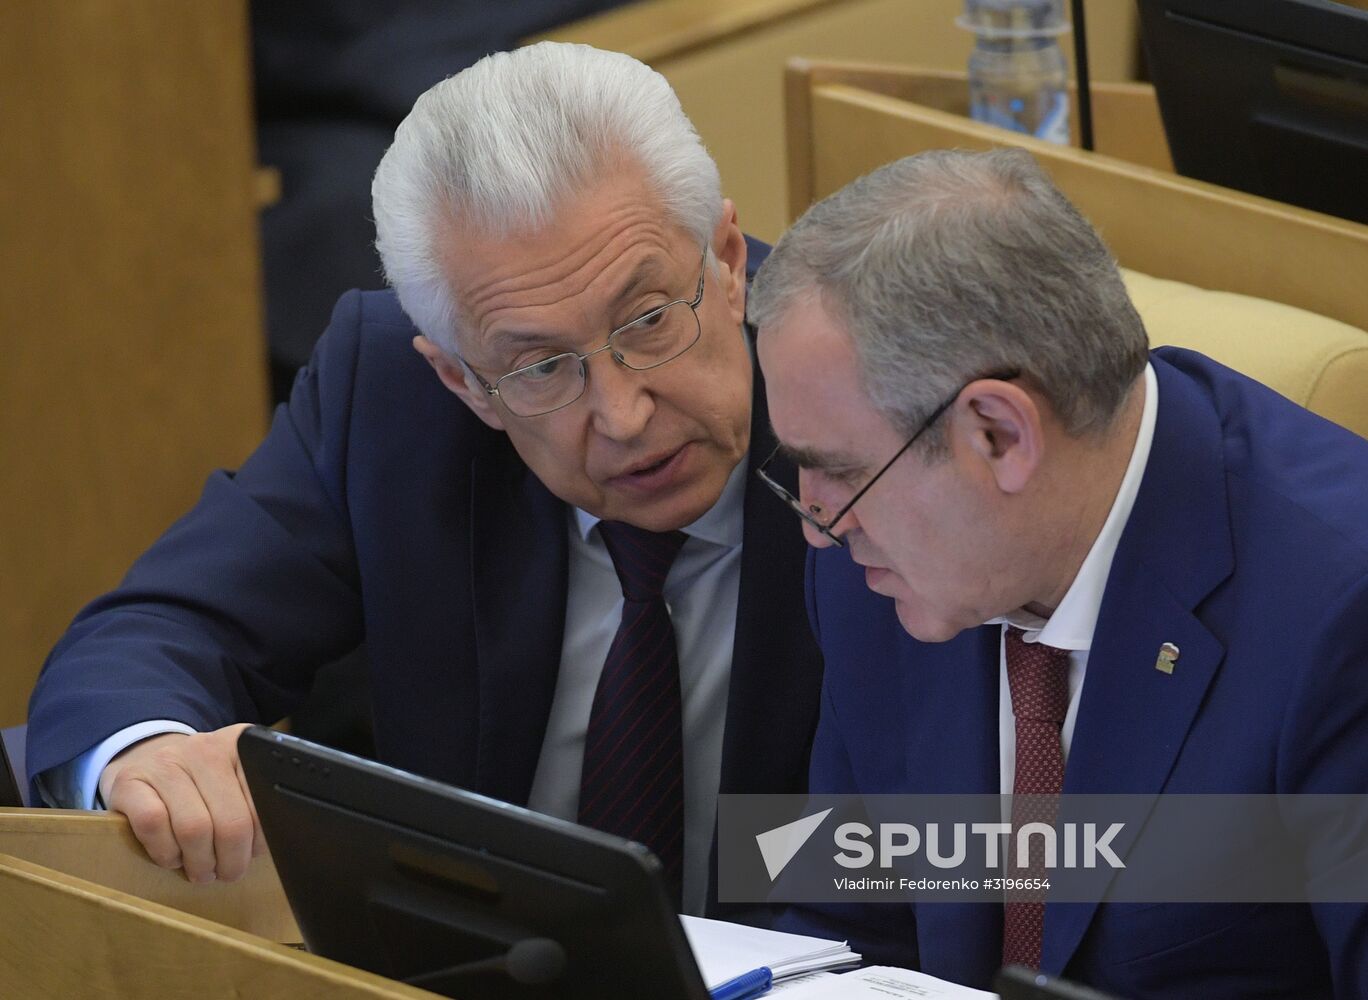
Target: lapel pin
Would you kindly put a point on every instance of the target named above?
(1168, 656)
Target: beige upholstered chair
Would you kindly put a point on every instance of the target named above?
(1318, 362)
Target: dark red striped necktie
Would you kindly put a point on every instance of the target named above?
(632, 784)
(1038, 676)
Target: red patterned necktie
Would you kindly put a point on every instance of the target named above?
(1038, 676)
(632, 784)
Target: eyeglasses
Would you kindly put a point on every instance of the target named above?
(812, 512)
(647, 342)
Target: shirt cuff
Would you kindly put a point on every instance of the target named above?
(76, 784)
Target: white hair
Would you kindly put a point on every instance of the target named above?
(496, 148)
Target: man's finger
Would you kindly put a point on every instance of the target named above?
(191, 822)
(148, 818)
(230, 814)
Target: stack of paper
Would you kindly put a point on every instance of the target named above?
(725, 950)
(881, 984)
(799, 964)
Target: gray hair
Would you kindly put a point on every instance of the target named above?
(950, 265)
(497, 146)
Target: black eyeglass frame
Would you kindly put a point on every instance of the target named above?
(810, 512)
(582, 359)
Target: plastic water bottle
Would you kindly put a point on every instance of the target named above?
(1018, 78)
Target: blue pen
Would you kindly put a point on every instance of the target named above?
(748, 984)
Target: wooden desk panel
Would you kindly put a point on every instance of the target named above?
(100, 847)
(69, 938)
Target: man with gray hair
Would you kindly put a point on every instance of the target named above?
(1050, 561)
(521, 479)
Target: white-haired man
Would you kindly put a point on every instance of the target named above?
(520, 479)
(1049, 561)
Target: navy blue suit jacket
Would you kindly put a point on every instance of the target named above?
(379, 509)
(1247, 547)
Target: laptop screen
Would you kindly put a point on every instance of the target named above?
(460, 894)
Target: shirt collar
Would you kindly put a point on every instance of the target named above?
(1073, 622)
(720, 524)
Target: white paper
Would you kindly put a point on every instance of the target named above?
(725, 950)
(797, 981)
(880, 983)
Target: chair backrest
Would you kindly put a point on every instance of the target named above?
(1320, 363)
(843, 122)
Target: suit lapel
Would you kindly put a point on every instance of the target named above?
(519, 570)
(775, 686)
(1176, 548)
(774, 689)
(950, 691)
(950, 696)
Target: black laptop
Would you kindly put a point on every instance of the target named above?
(457, 893)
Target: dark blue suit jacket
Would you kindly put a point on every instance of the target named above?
(379, 509)
(1247, 547)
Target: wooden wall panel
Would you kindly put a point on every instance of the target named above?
(130, 309)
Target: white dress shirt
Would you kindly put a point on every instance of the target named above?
(1072, 624)
(700, 592)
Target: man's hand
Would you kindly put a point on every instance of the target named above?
(187, 801)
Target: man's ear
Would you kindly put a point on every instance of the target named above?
(454, 376)
(1003, 426)
(729, 245)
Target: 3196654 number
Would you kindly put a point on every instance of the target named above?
(1017, 884)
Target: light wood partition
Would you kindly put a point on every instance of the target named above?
(1126, 120)
(72, 939)
(86, 914)
(725, 60)
(130, 307)
(100, 847)
(845, 120)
